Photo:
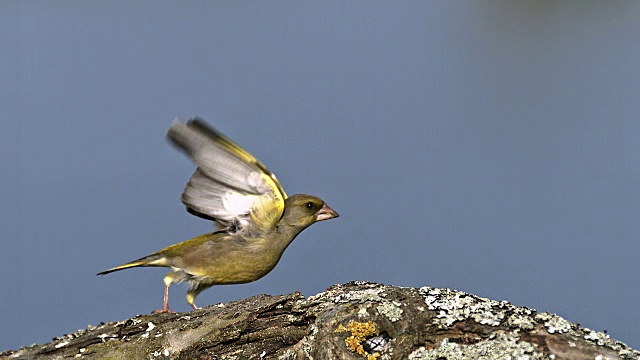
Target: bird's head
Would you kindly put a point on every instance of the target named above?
(303, 210)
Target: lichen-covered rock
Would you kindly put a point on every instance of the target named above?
(358, 320)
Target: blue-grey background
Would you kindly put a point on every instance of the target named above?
(489, 147)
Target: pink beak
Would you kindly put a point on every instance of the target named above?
(326, 213)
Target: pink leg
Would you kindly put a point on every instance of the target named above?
(165, 305)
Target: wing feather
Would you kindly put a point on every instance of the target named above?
(229, 185)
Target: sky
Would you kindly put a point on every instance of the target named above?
(488, 147)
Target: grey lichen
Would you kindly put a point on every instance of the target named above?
(390, 309)
(502, 346)
(288, 354)
(455, 306)
(375, 294)
(521, 321)
(309, 341)
(602, 339)
(425, 323)
(554, 323)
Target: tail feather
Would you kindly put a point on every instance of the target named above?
(151, 260)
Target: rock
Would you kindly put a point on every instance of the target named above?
(357, 320)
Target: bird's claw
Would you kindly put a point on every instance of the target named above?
(163, 311)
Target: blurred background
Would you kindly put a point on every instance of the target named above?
(488, 147)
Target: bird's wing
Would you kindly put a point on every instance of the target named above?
(229, 186)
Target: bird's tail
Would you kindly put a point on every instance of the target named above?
(151, 260)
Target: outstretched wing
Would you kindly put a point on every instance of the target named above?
(229, 186)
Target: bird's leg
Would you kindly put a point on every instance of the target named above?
(165, 305)
(191, 296)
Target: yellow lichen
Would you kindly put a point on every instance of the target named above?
(359, 332)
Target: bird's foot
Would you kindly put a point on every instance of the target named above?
(163, 311)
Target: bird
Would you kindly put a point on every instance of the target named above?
(254, 219)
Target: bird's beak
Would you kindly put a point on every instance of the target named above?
(326, 213)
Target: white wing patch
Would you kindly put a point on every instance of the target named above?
(237, 203)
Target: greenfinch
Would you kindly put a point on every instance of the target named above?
(255, 219)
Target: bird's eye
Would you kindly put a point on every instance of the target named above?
(309, 205)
